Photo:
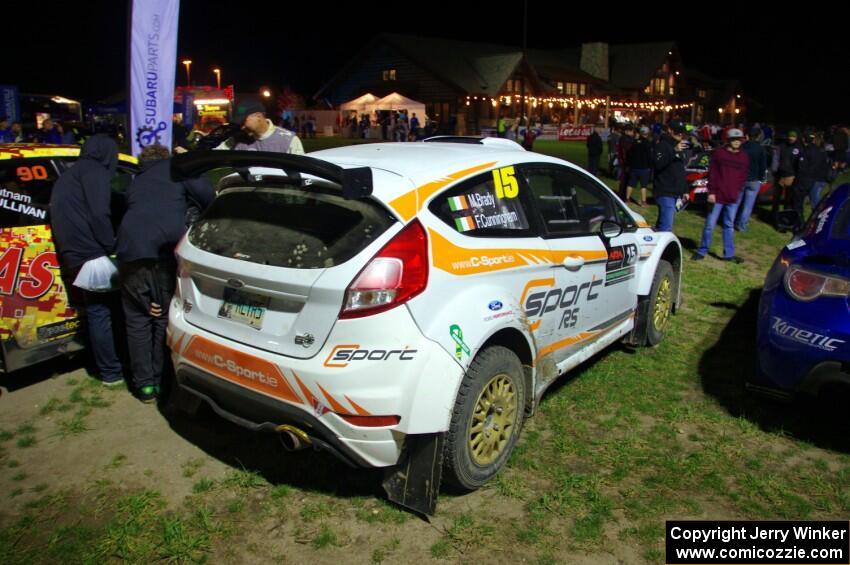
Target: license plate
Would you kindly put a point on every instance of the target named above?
(243, 307)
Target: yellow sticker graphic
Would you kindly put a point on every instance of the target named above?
(504, 180)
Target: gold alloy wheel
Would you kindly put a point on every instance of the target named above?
(662, 305)
(493, 420)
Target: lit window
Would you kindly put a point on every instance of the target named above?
(701, 93)
(582, 89)
(560, 87)
(572, 88)
(389, 74)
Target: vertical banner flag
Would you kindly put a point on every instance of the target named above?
(10, 104)
(153, 64)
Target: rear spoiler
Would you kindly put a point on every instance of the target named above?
(356, 183)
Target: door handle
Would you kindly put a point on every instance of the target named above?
(572, 263)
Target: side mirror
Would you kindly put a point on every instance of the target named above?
(610, 229)
(788, 220)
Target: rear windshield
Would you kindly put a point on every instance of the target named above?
(301, 228)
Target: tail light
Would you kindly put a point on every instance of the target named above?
(396, 274)
(805, 285)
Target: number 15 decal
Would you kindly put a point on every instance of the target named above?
(505, 181)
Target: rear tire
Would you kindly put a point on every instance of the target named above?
(486, 420)
(661, 299)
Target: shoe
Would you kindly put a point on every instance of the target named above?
(734, 259)
(697, 257)
(644, 204)
(148, 394)
(112, 382)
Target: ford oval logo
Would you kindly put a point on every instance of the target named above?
(647, 238)
(495, 305)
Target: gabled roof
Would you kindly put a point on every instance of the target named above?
(632, 65)
(483, 68)
(561, 63)
(477, 68)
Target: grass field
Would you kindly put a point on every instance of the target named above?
(627, 441)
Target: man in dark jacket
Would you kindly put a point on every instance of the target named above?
(154, 223)
(812, 174)
(640, 165)
(790, 154)
(727, 173)
(82, 229)
(670, 180)
(755, 176)
(594, 152)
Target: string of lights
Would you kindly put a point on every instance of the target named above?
(591, 103)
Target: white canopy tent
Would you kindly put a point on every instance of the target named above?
(396, 101)
(362, 104)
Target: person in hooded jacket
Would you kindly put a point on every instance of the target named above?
(150, 230)
(81, 221)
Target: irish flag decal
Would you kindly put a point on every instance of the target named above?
(458, 203)
(464, 224)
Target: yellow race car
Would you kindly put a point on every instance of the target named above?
(37, 320)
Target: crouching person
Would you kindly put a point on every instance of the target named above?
(153, 225)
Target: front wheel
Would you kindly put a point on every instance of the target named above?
(660, 299)
(486, 419)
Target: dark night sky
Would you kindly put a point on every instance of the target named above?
(797, 67)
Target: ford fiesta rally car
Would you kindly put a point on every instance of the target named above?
(406, 305)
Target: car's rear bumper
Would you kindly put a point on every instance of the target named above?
(323, 395)
(14, 357)
(261, 413)
(817, 379)
(800, 346)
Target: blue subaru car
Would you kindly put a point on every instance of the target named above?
(803, 341)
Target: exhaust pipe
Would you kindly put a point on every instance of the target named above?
(292, 438)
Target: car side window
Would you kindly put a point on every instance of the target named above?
(569, 203)
(25, 187)
(490, 204)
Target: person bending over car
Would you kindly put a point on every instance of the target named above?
(260, 134)
(80, 211)
(154, 223)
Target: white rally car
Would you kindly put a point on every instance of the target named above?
(406, 305)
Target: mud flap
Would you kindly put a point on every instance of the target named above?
(415, 481)
(637, 337)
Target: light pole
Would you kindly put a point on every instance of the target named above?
(217, 78)
(188, 63)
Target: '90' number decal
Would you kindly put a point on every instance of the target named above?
(505, 182)
(27, 174)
